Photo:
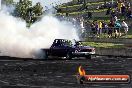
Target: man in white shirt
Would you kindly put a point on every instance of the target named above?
(125, 27)
(83, 31)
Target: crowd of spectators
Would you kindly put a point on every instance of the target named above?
(121, 7)
(115, 27)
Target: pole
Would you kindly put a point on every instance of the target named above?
(112, 1)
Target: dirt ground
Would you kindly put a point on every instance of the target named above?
(60, 73)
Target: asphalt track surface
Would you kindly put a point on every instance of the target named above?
(60, 73)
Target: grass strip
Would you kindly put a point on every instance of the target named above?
(103, 45)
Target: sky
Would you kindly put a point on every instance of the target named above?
(49, 3)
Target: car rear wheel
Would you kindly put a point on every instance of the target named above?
(88, 57)
(69, 56)
(81, 80)
(40, 54)
(45, 56)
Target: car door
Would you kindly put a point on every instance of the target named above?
(59, 50)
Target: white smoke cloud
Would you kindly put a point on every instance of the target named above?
(19, 41)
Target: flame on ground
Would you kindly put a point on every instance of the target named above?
(81, 71)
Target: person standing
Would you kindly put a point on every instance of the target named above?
(82, 27)
(123, 10)
(97, 29)
(100, 27)
(125, 27)
(110, 28)
(120, 4)
(117, 26)
(108, 11)
(93, 30)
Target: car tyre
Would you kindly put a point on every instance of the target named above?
(88, 57)
(69, 56)
(82, 79)
(45, 55)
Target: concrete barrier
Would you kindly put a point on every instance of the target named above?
(126, 52)
(111, 40)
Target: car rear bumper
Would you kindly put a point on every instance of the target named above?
(83, 53)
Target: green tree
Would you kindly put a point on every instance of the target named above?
(22, 7)
(26, 11)
(37, 10)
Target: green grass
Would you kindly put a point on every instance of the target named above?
(83, 12)
(105, 18)
(88, 4)
(129, 36)
(73, 6)
(104, 45)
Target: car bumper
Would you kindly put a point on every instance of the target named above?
(83, 53)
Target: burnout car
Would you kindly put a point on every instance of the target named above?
(68, 49)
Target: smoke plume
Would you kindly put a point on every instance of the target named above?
(19, 41)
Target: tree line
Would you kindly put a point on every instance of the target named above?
(25, 10)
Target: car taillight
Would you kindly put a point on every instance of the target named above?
(93, 49)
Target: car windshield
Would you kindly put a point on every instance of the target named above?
(62, 42)
(78, 43)
(67, 42)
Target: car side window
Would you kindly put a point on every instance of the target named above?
(57, 43)
(61, 43)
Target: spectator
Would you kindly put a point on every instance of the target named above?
(74, 21)
(129, 13)
(115, 18)
(110, 29)
(67, 14)
(80, 1)
(113, 13)
(100, 27)
(128, 4)
(104, 27)
(108, 11)
(97, 29)
(82, 27)
(123, 10)
(117, 26)
(87, 29)
(119, 4)
(125, 27)
(89, 15)
(93, 30)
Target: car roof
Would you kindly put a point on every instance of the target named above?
(61, 39)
